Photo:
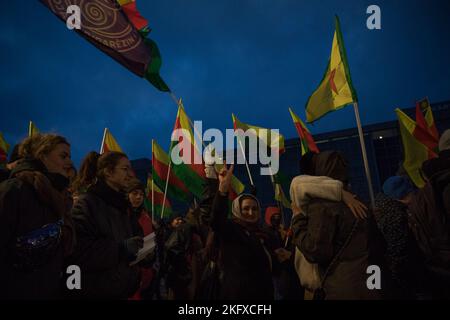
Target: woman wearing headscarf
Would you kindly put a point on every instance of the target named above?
(245, 260)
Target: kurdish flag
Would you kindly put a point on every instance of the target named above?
(335, 90)
(32, 129)
(158, 197)
(109, 143)
(274, 140)
(415, 152)
(117, 29)
(306, 139)
(191, 173)
(426, 130)
(160, 169)
(4, 148)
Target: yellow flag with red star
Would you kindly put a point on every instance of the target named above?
(335, 90)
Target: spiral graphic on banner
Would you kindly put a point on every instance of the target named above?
(103, 20)
(95, 15)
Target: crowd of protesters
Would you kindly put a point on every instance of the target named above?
(52, 217)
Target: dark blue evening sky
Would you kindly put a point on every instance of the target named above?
(251, 57)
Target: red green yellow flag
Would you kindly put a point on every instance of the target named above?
(109, 143)
(4, 148)
(274, 140)
(335, 91)
(426, 130)
(133, 14)
(192, 173)
(415, 152)
(160, 170)
(158, 199)
(306, 140)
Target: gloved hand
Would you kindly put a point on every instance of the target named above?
(131, 247)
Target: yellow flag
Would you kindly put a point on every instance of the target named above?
(281, 197)
(414, 152)
(109, 143)
(32, 129)
(273, 139)
(335, 90)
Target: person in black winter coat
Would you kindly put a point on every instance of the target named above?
(245, 261)
(106, 244)
(13, 160)
(35, 226)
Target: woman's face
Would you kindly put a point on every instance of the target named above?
(58, 160)
(120, 177)
(249, 210)
(136, 198)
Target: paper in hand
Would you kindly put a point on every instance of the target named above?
(149, 245)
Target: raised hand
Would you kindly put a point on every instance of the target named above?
(358, 209)
(225, 176)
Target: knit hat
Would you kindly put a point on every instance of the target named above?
(444, 141)
(236, 206)
(397, 187)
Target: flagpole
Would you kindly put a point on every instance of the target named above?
(103, 140)
(165, 189)
(246, 163)
(280, 207)
(364, 154)
(153, 188)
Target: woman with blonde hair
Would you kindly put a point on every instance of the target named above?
(35, 226)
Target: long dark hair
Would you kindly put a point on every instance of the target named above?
(94, 166)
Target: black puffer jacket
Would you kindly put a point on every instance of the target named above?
(31, 272)
(102, 224)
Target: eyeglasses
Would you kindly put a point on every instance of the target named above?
(126, 169)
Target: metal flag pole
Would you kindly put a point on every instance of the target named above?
(153, 187)
(364, 154)
(165, 189)
(103, 140)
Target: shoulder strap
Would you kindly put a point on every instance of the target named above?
(337, 256)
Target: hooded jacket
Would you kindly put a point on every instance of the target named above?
(322, 232)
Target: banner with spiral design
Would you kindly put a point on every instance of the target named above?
(104, 24)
